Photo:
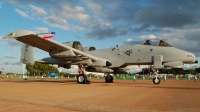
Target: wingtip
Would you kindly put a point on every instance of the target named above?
(9, 36)
(17, 33)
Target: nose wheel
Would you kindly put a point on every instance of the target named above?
(109, 78)
(156, 80)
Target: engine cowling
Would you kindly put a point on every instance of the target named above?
(74, 44)
(88, 49)
(67, 66)
(56, 53)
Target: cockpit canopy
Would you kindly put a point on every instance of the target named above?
(157, 42)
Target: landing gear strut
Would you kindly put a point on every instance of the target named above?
(156, 80)
(108, 78)
(82, 78)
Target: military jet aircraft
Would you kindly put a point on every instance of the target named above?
(157, 53)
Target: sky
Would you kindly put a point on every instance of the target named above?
(100, 23)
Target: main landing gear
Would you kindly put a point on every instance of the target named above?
(82, 78)
(108, 78)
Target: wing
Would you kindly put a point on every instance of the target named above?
(55, 49)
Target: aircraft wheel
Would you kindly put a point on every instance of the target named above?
(81, 79)
(156, 81)
(109, 78)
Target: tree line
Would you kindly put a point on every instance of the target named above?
(40, 69)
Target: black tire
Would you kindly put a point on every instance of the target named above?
(81, 79)
(156, 82)
(109, 78)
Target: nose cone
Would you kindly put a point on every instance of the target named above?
(191, 58)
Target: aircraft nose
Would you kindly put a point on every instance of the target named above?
(193, 57)
(190, 57)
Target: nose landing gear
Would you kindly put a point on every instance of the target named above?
(156, 80)
(108, 78)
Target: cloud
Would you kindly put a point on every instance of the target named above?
(143, 18)
(135, 69)
(0, 4)
(160, 16)
(60, 23)
(73, 69)
(23, 14)
(106, 32)
(69, 11)
(113, 11)
(6, 63)
(36, 50)
(10, 42)
(8, 57)
(37, 11)
(78, 37)
(190, 66)
(147, 37)
(186, 39)
(18, 2)
(14, 47)
(128, 40)
(17, 63)
(41, 29)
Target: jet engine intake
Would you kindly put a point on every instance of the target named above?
(74, 44)
(89, 49)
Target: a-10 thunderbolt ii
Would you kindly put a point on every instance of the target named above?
(157, 53)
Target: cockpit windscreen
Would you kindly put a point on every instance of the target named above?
(157, 43)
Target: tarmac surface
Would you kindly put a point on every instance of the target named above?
(35, 95)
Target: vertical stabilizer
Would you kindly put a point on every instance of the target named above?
(27, 54)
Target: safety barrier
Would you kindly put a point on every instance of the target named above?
(115, 77)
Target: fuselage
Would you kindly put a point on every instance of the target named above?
(142, 55)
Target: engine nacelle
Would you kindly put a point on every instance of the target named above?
(99, 69)
(89, 49)
(61, 53)
(66, 53)
(74, 44)
(67, 66)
